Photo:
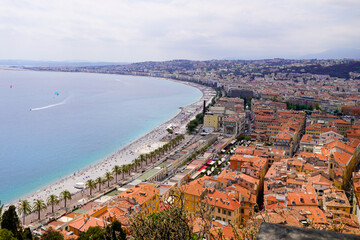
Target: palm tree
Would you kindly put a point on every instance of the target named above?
(123, 170)
(99, 181)
(166, 147)
(156, 152)
(126, 168)
(116, 170)
(142, 158)
(147, 156)
(39, 205)
(52, 200)
(137, 162)
(91, 185)
(24, 208)
(65, 195)
(108, 177)
(130, 167)
(161, 150)
(152, 155)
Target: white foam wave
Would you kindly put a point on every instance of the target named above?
(49, 106)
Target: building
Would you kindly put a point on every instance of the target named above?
(336, 202)
(211, 121)
(143, 198)
(225, 206)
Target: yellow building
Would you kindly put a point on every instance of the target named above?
(246, 199)
(211, 121)
(192, 194)
(342, 161)
(336, 202)
(225, 207)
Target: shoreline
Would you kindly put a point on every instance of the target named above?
(124, 155)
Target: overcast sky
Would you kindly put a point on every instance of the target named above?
(141, 30)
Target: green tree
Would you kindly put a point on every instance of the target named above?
(123, 171)
(6, 234)
(27, 235)
(137, 162)
(147, 156)
(24, 209)
(317, 107)
(170, 131)
(115, 231)
(93, 233)
(51, 234)
(128, 168)
(66, 195)
(108, 177)
(116, 170)
(91, 185)
(1, 208)
(39, 205)
(143, 158)
(10, 220)
(52, 200)
(99, 181)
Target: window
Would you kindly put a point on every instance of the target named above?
(229, 213)
(218, 210)
(242, 210)
(224, 211)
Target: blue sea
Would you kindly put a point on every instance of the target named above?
(53, 124)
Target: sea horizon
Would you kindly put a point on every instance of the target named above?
(84, 118)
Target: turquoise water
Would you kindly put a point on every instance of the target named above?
(91, 117)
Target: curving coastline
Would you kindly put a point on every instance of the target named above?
(144, 144)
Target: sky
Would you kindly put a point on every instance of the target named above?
(159, 30)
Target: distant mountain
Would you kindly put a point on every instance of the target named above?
(335, 54)
(33, 63)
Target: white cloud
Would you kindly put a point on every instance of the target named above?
(133, 30)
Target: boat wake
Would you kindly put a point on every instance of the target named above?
(49, 106)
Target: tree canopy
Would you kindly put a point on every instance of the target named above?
(10, 220)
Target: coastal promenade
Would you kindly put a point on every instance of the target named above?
(143, 145)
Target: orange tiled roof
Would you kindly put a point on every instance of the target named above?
(222, 200)
(195, 188)
(83, 223)
(301, 199)
(141, 193)
(307, 138)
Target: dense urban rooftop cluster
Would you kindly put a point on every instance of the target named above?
(280, 144)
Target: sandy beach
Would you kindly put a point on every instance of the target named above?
(127, 154)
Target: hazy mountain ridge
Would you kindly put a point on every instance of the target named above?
(338, 53)
(35, 63)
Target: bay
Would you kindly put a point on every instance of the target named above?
(55, 123)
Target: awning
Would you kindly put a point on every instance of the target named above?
(202, 168)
